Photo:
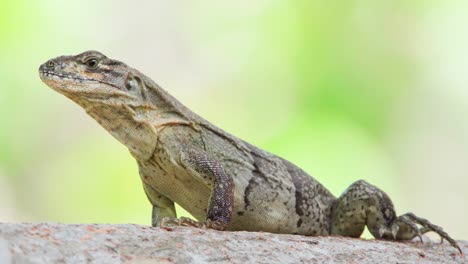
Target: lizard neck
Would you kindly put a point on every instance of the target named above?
(136, 123)
(165, 105)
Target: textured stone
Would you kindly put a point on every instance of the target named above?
(101, 243)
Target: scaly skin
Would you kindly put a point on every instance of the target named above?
(221, 180)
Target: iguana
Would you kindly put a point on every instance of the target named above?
(223, 181)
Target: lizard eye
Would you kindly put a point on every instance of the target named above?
(50, 64)
(91, 63)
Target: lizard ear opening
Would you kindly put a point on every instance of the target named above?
(133, 82)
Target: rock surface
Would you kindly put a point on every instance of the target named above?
(101, 243)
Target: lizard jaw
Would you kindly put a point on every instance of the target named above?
(51, 75)
(69, 84)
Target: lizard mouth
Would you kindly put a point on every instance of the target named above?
(45, 74)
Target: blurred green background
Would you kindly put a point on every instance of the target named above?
(373, 90)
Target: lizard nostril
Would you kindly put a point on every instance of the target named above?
(50, 64)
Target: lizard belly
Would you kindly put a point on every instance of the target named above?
(275, 212)
(263, 214)
(278, 201)
(260, 205)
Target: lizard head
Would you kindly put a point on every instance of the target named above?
(109, 91)
(92, 76)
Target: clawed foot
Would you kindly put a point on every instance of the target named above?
(410, 220)
(185, 221)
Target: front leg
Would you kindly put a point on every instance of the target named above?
(162, 206)
(219, 214)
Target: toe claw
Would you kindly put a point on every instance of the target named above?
(217, 225)
(185, 221)
(428, 226)
(167, 222)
